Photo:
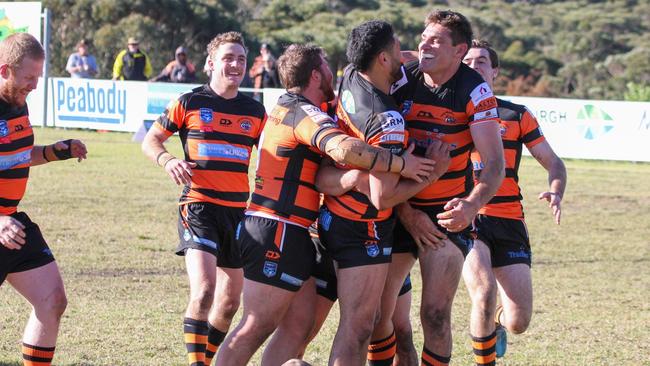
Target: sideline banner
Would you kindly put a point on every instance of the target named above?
(593, 129)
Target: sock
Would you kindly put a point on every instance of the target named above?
(37, 356)
(431, 359)
(196, 337)
(484, 349)
(497, 315)
(215, 337)
(382, 352)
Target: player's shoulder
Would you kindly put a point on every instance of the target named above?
(249, 105)
(509, 111)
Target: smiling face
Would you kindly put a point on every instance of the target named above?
(436, 50)
(19, 81)
(228, 65)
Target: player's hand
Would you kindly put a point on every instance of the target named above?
(415, 167)
(422, 229)
(554, 200)
(459, 213)
(77, 149)
(12, 235)
(438, 151)
(180, 170)
(362, 183)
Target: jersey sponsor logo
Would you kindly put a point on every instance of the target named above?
(424, 114)
(246, 125)
(481, 93)
(449, 118)
(272, 255)
(392, 137)
(270, 269)
(391, 121)
(317, 115)
(406, 107)
(290, 279)
(492, 113)
(502, 130)
(486, 104)
(205, 114)
(10, 161)
(347, 101)
(478, 165)
(519, 254)
(19, 128)
(4, 128)
(222, 151)
(225, 122)
(399, 83)
(186, 235)
(372, 249)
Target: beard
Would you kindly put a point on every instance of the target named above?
(327, 90)
(13, 95)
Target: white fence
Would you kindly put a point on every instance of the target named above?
(585, 129)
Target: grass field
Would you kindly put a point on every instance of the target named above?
(111, 223)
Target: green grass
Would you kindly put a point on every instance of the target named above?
(111, 222)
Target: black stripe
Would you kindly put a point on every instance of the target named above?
(226, 196)
(166, 123)
(511, 173)
(224, 166)
(279, 207)
(216, 135)
(8, 203)
(382, 349)
(436, 127)
(38, 348)
(16, 173)
(461, 150)
(287, 152)
(36, 359)
(531, 136)
(466, 172)
(485, 352)
(301, 182)
(17, 144)
(8, 112)
(505, 199)
(509, 144)
(423, 201)
(195, 347)
(347, 207)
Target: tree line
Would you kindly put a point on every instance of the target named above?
(576, 49)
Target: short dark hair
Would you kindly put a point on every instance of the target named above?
(223, 38)
(368, 40)
(494, 58)
(296, 64)
(460, 27)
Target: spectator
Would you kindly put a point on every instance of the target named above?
(81, 64)
(264, 72)
(132, 63)
(180, 70)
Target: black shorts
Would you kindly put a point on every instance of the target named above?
(506, 238)
(276, 253)
(356, 243)
(33, 254)
(404, 242)
(210, 228)
(407, 286)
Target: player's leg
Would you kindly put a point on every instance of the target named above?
(516, 293)
(226, 302)
(406, 354)
(441, 270)
(43, 288)
(288, 341)
(201, 272)
(264, 308)
(359, 290)
(382, 348)
(321, 311)
(482, 288)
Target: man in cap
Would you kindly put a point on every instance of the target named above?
(131, 63)
(179, 70)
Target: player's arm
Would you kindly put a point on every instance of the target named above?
(333, 181)
(386, 192)
(459, 212)
(62, 150)
(557, 176)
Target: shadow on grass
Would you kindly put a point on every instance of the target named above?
(3, 363)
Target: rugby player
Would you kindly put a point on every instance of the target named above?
(276, 249)
(504, 262)
(218, 127)
(356, 229)
(445, 99)
(26, 261)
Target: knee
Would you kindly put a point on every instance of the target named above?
(228, 307)
(436, 320)
(518, 323)
(54, 305)
(202, 298)
(362, 326)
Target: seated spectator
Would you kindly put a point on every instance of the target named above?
(81, 64)
(180, 70)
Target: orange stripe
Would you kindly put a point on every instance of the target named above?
(389, 340)
(433, 361)
(196, 338)
(211, 347)
(37, 353)
(278, 235)
(384, 355)
(484, 345)
(196, 357)
(485, 359)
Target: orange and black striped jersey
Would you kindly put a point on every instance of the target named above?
(290, 153)
(218, 135)
(16, 143)
(445, 113)
(518, 127)
(367, 113)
